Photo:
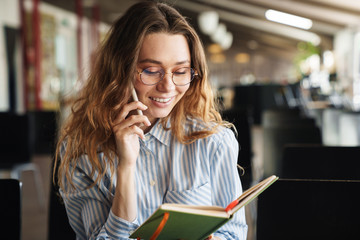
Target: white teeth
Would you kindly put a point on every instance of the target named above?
(162, 100)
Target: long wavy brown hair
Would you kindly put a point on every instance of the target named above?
(88, 127)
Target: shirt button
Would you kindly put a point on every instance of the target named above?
(152, 183)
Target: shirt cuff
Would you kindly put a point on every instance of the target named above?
(118, 228)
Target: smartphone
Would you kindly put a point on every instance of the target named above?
(135, 98)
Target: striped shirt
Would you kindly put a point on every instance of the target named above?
(201, 173)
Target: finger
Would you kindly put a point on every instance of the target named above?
(132, 120)
(132, 130)
(128, 108)
(138, 131)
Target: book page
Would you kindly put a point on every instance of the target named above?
(244, 199)
(193, 209)
(253, 192)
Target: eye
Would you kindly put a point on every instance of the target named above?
(152, 71)
(182, 71)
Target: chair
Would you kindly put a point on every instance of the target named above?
(279, 117)
(43, 131)
(59, 227)
(309, 209)
(275, 138)
(16, 150)
(242, 122)
(307, 161)
(283, 126)
(257, 97)
(10, 209)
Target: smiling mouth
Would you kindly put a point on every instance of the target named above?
(160, 100)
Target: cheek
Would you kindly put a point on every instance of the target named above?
(183, 90)
(142, 90)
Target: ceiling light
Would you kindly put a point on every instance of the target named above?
(288, 19)
(227, 41)
(218, 58)
(214, 48)
(208, 21)
(242, 58)
(219, 33)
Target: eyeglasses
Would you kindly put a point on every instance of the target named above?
(180, 77)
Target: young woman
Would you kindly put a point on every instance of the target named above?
(117, 166)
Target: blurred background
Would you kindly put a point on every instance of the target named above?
(285, 72)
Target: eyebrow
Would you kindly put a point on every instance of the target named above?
(148, 60)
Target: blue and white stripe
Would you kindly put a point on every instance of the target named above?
(201, 173)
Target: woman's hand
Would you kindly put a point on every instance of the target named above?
(126, 130)
(212, 237)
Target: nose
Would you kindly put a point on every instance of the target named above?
(166, 84)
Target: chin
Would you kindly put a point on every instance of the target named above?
(161, 114)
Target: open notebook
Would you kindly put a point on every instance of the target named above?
(177, 221)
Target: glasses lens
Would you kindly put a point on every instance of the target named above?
(151, 75)
(183, 76)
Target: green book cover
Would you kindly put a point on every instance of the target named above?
(188, 222)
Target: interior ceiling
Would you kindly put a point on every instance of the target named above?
(246, 21)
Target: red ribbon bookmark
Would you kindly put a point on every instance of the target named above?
(232, 205)
(160, 227)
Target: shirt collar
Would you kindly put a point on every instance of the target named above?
(158, 132)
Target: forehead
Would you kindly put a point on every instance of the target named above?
(165, 48)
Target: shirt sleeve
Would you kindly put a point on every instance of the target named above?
(89, 209)
(226, 185)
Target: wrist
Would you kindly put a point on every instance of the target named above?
(125, 174)
(126, 167)
(124, 204)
